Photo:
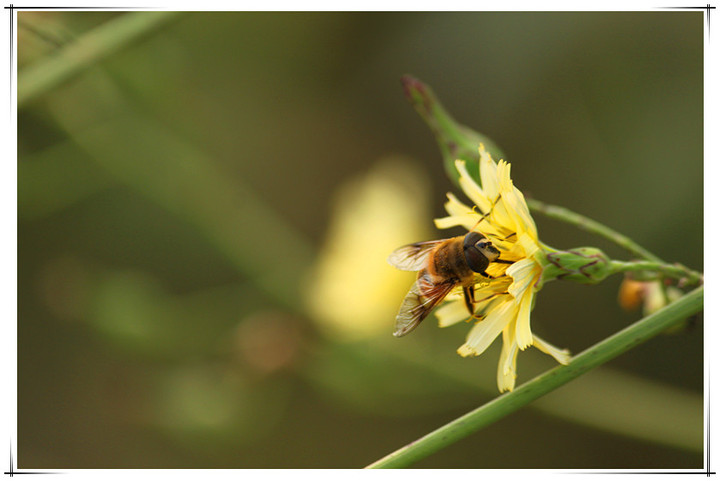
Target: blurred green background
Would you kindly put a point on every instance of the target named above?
(204, 217)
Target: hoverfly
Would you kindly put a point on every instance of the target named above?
(442, 265)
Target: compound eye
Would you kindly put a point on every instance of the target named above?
(472, 238)
(488, 250)
(476, 260)
(473, 246)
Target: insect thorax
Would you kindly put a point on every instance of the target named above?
(449, 261)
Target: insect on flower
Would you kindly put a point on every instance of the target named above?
(494, 271)
(442, 265)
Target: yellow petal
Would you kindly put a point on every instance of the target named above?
(501, 216)
(515, 202)
(488, 174)
(468, 221)
(466, 351)
(528, 244)
(485, 331)
(561, 355)
(510, 347)
(519, 206)
(523, 334)
(508, 360)
(460, 214)
(454, 207)
(451, 313)
(523, 273)
(472, 190)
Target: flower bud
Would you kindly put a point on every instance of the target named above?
(586, 265)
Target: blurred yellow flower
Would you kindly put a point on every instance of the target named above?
(352, 292)
(503, 303)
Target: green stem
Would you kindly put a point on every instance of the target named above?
(455, 140)
(45, 74)
(675, 271)
(590, 225)
(508, 403)
(442, 125)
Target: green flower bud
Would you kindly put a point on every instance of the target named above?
(586, 265)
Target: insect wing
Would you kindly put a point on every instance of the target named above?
(414, 256)
(422, 298)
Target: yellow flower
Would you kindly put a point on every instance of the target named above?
(503, 303)
(373, 212)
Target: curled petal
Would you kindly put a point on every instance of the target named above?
(561, 355)
(524, 273)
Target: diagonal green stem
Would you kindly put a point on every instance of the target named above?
(45, 74)
(592, 226)
(651, 263)
(500, 407)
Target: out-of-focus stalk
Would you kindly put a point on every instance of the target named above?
(45, 74)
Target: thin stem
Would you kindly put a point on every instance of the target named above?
(500, 407)
(675, 271)
(590, 225)
(95, 45)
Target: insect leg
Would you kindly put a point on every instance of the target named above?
(481, 315)
(504, 261)
(469, 295)
(486, 275)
